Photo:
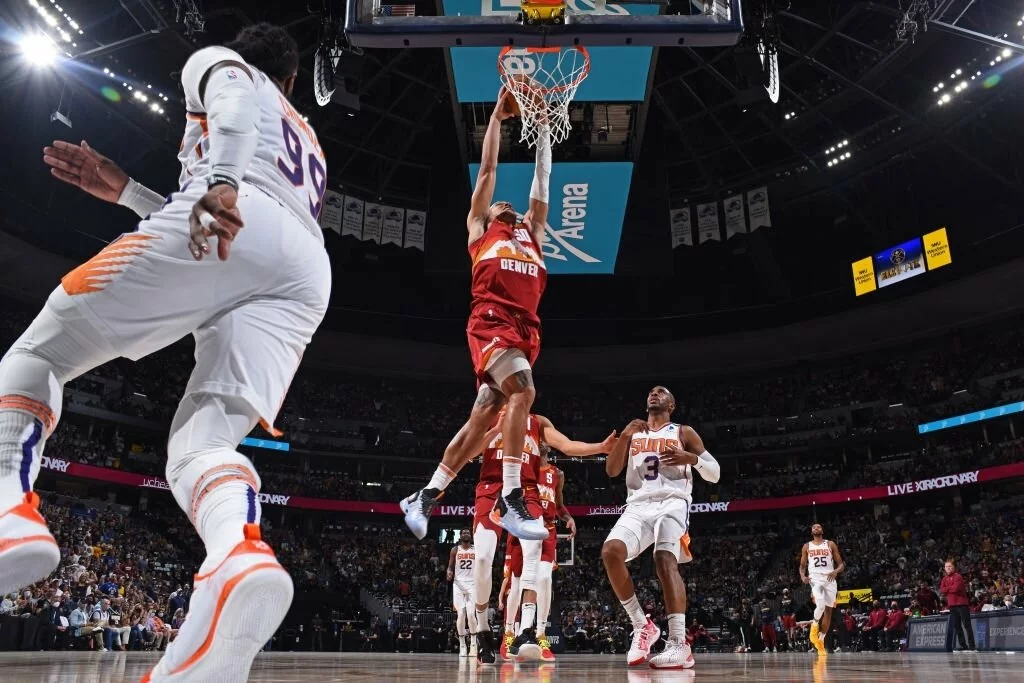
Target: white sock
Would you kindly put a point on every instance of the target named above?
(635, 612)
(677, 628)
(529, 615)
(481, 621)
(510, 469)
(225, 510)
(22, 437)
(442, 477)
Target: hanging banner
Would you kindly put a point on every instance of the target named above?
(707, 223)
(393, 220)
(734, 223)
(330, 214)
(352, 219)
(682, 233)
(760, 216)
(415, 227)
(372, 223)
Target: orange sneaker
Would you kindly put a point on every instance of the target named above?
(27, 549)
(506, 643)
(545, 648)
(235, 609)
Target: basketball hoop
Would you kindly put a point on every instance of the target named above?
(544, 81)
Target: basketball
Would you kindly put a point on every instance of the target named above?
(510, 105)
(522, 88)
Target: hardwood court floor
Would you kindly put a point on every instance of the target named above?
(284, 667)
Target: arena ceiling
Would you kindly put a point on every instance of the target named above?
(862, 72)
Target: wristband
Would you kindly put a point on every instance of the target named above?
(221, 179)
(140, 199)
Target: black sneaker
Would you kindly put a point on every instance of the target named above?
(417, 509)
(510, 512)
(525, 648)
(484, 647)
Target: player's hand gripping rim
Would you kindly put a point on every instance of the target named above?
(214, 215)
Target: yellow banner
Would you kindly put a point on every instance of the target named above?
(864, 276)
(936, 249)
(858, 594)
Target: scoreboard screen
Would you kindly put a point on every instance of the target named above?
(901, 262)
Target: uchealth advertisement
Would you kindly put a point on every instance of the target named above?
(617, 74)
(75, 469)
(587, 208)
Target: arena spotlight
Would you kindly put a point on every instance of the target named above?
(38, 50)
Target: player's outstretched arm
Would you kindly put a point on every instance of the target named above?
(537, 215)
(575, 449)
(560, 509)
(616, 461)
(483, 191)
(85, 168)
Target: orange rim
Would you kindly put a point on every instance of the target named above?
(558, 88)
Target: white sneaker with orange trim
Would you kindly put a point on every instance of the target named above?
(27, 549)
(235, 609)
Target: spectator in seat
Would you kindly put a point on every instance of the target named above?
(101, 619)
(79, 622)
(50, 625)
(895, 627)
(176, 621)
(1007, 602)
(954, 591)
(848, 629)
(875, 626)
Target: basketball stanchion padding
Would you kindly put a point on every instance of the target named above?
(543, 81)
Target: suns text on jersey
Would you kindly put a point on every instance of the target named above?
(645, 445)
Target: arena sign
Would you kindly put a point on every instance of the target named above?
(588, 205)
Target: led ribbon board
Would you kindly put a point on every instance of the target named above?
(588, 204)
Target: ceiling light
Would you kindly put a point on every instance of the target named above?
(155, 106)
(946, 97)
(958, 72)
(1006, 53)
(941, 103)
(38, 49)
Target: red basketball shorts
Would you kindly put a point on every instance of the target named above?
(492, 329)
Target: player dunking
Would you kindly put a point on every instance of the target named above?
(820, 564)
(550, 482)
(503, 331)
(659, 457)
(460, 572)
(486, 531)
(247, 155)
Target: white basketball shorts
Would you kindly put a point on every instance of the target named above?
(463, 596)
(825, 591)
(663, 524)
(252, 315)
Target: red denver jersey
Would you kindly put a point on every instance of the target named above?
(547, 485)
(490, 469)
(508, 270)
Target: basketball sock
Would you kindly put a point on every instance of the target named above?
(482, 624)
(635, 612)
(443, 476)
(677, 628)
(510, 469)
(22, 436)
(543, 595)
(529, 615)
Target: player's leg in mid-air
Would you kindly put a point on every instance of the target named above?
(464, 446)
(631, 535)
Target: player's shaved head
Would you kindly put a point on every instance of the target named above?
(269, 48)
(660, 398)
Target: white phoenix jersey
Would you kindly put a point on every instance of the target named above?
(288, 164)
(646, 478)
(464, 559)
(819, 560)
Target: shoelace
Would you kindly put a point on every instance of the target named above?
(518, 505)
(644, 637)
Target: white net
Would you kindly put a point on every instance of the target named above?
(544, 82)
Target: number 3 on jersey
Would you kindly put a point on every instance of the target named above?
(294, 168)
(651, 464)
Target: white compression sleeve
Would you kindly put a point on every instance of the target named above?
(708, 467)
(140, 199)
(232, 113)
(542, 171)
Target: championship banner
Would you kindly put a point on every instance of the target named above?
(854, 595)
(734, 223)
(415, 227)
(330, 214)
(617, 74)
(682, 233)
(373, 220)
(110, 475)
(760, 215)
(707, 223)
(352, 219)
(588, 205)
(394, 218)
